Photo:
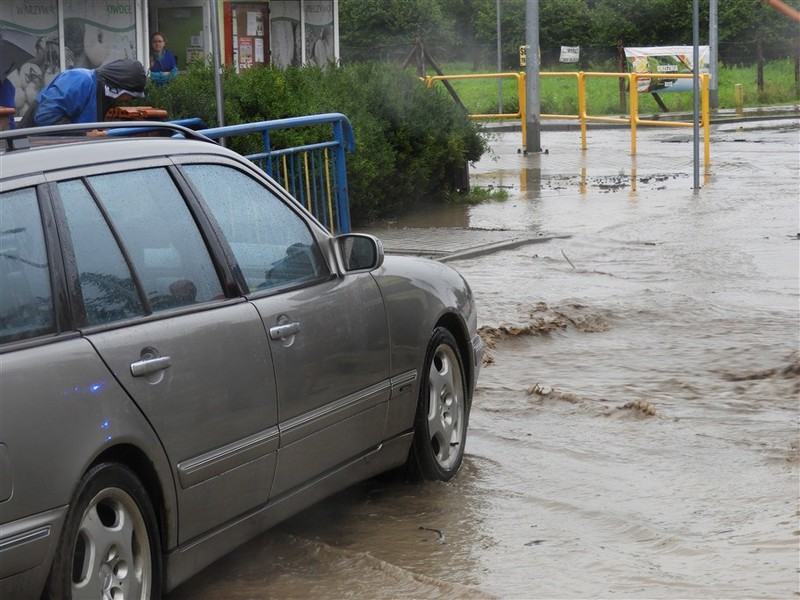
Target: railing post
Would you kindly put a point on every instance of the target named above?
(582, 106)
(523, 100)
(633, 88)
(342, 204)
(706, 101)
(267, 151)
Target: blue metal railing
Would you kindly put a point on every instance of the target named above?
(315, 174)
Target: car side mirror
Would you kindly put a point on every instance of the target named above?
(359, 251)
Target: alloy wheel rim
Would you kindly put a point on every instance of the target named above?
(111, 557)
(445, 407)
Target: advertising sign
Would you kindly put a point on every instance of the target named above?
(665, 59)
(570, 54)
(287, 35)
(95, 31)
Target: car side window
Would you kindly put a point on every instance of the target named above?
(161, 237)
(272, 244)
(109, 292)
(26, 298)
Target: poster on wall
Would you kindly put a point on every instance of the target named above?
(246, 52)
(319, 32)
(665, 59)
(95, 34)
(255, 23)
(29, 71)
(286, 35)
(95, 31)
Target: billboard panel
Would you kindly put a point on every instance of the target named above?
(665, 60)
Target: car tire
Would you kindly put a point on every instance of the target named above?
(440, 425)
(110, 545)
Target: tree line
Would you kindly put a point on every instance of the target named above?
(749, 31)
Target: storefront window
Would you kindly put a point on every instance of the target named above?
(287, 37)
(30, 54)
(95, 31)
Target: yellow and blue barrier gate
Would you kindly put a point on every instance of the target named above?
(315, 174)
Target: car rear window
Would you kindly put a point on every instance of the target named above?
(26, 298)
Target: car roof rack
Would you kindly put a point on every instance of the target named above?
(20, 139)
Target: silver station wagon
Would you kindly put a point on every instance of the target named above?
(188, 357)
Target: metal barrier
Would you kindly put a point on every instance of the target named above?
(520, 77)
(315, 174)
(633, 120)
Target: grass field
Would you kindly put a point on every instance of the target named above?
(559, 94)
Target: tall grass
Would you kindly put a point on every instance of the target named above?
(559, 94)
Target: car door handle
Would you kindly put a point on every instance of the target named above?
(280, 332)
(140, 368)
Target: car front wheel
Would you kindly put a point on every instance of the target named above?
(440, 427)
(110, 545)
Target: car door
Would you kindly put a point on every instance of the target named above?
(196, 363)
(328, 334)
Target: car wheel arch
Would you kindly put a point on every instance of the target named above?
(135, 459)
(456, 326)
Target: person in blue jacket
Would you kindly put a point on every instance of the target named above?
(163, 66)
(85, 95)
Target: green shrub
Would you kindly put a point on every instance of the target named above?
(410, 141)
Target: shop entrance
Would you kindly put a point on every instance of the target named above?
(183, 27)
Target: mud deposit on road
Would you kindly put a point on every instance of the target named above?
(635, 429)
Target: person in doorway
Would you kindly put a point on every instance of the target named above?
(163, 66)
(85, 95)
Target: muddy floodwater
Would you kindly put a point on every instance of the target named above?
(634, 433)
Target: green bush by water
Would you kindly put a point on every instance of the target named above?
(411, 142)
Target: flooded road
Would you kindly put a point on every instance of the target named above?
(635, 429)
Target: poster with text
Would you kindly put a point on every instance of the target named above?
(246, 52)
(665, 60)
(36, 26)
(286, 34)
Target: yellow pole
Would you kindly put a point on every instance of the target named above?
(704, 97)
(523, 99)
(633, 86)
(582, 106)
(328, 186)
(738, 94)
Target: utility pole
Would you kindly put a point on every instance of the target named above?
(696, 90)
(532, 103)
(713, 42)
(212, 7)
(499, 63)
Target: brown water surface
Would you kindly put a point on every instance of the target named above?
(635, 429)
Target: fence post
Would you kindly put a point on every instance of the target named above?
(582, 106)
(342, 204)
(738, 94)
(267, 149)
(523, 102)
(633, 86)
(705, 98)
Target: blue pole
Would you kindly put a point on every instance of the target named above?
(342, 205)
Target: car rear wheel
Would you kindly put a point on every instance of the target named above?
(440, 428)
(110, 545)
